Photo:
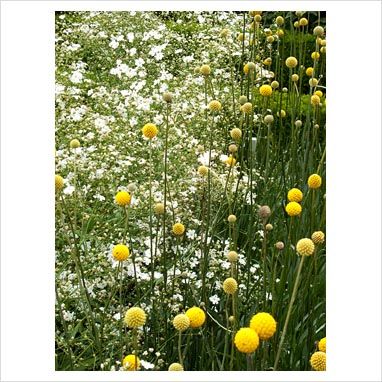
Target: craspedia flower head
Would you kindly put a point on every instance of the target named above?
(295, 77)
(232, 148)
(279, 20)
(230, 285)
(295, 195)
(291, 62)
(270, 39)
(175, 367)
(246, 108)
(280, 32)
(197, 70)
(197, 317)
(167, 97)
(214, 105)
(279, 245)
(120, 252)
(236, 134)
(230, 161)
(264, 212)
(319, 93)
(265, 90)
(135, 317)
(123, 198)
(268, 227)
(264, 325)
(246, 340)
(309, 71)
(318, 361)
(257, 18)
(274, 84)
(205, 70)
(242, 99)
(298, 123)
(318, 237)
(74, 144)
(315, 55)
(318, 30)
(225, 32)
(315, 100)
(281, 113)
(181, 322)
(267, 61)
(130, 362)
(313, 82)
(149, 130)
(159, 208)
(231, 218)
(232, 256)
(323, 49)
(58, 182)
(240, 37)
(178, 229)
(305, 247)
(251, 66)
(132, 187)
(202, 170)
(293, 209)
(314, 181)
(303, 22)
(268, 119)
(322, 345)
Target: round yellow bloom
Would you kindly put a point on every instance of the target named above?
(197, 317)
(236, 134)
(314, 181)
(58, 182)
(323, 49)
(246, 108)
(318, 30)
(150, 130)
(291, 62)
(230, 161)
(295, 195)
(225, 32)
(303, 22)
(181, 322)
(246, 340)
(268, 119)
(202, 170)
(74, 144)
(265, 90)
(135, 317)
(296, 24)
(232, 148)
(313, 82)
(293, 209)
(242, 99)
(322, 345)
(315, 100)
(175, 367)
(295, 77)
(318, 361)
(205, 70)
(318, 237)
(214, 105)
(280, 32)
(129, 362)
(230, 285)
(318, 93)
(240, 37)
(264, 325)
(246, 69)
(232, 256)
(178, 229)
(309, 71)
(120, 252)
(257, 18)
(270, 39)
(231, 218)
(305, 247)
(275, 84)
(269, 227)
(123, 198)
(279, 20)
(282, 113)
(315, 55)
(159, 208)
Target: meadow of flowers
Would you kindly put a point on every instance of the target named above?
(190, 191)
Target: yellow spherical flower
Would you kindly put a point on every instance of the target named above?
(314, 181)
(313, 82)
(291, 62)
(205, 70)
(282, 113)
(131, 362)
(230, 161)
(202, 170)
(295, 77)
(265, 90)
(318, 93)
(309, 71)
(303, 22)
(123, 198)
(58, 182)
(315, 100)
(74, 144)
(279, 20)
(246, 108)
(280, 32)
(236, 134)
(295, 195)
(246, 69)
(232, 256)
(257, 18)
(315, 55)
(246, 340)
(322, 345)
(318, 237)
(293, 209)
(159, 208)
(264, 325)
(181, 322)
(305, 247)
(230, 285)
(275, 84)
(178, 229)
(135, 317)
(232, 218)
(318, 361)
(175, 367)
(214, 105)
(120, 252)
(149, 130)
(197, 317)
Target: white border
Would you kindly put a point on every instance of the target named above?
(353, 189)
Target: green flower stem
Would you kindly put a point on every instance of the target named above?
(120, 267)
(180, 347)
(151, 217)
(165, 201)
(249, 358)
(135, 344)
(264, 257)
(291, 302)
(175, 261)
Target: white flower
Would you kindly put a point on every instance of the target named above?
(130, 36)
(69, 190)
(147, 365)
(76, 77)
(214, 299)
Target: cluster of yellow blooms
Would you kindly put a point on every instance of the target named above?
(318, 358)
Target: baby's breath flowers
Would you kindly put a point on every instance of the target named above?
(293, 209)
(264, 325)
(305, 247)
(74, 144)
(214, 106)
(205, 70)
(131, 362)
(291, 62)
(181, 322)
(202, 170)
(246, 340)
(197, 317)
(318, 361)
(230, 285)
(178, 229)
(58, 182)
(295, 195)
(150, 130)
(175, 367)
(123, 198)
(120, 252)
(135, 317)
(236, 134)
(314, 181)
(322, 345)
(265, 90)
(159, 208)
(318, 237)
